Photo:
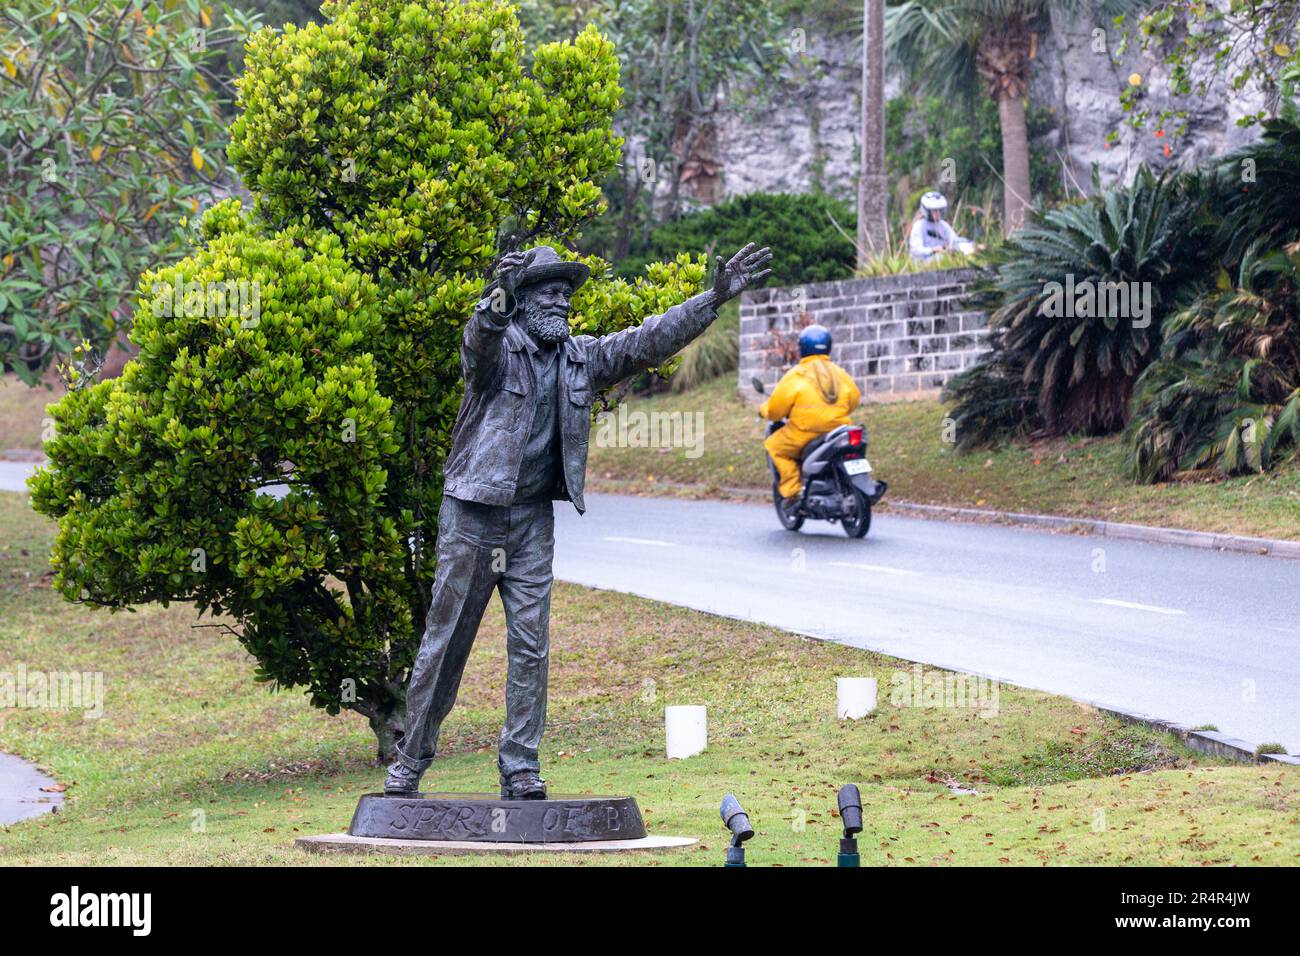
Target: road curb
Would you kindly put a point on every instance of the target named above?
(1209, 742)
(1206, 540)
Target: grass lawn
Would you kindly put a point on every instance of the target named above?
(195, 763)
(1076, 477)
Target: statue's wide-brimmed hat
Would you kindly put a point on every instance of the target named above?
(544, 263)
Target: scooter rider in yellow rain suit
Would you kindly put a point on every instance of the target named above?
(814, 397)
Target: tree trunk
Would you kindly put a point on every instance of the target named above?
(1015, 160)
(627, 218)
(1005, 51)
(873, 222)
(387, 726)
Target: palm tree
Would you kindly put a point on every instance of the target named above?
(951, 47)
(873, 223)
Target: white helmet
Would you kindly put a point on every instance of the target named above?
(932, 201)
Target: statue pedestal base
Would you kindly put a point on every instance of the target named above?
(483, 817)
(346, 843)
(444, 824)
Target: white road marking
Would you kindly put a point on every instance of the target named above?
(870, 567)
(652, 541)
(1154, 608)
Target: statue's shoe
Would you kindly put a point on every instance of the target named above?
(524, 785)
(401, 780)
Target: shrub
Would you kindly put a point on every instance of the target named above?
(991, 402)
(958, 145)
(393, 151)
(798, 227)
(1080, 369)
(1258, 186)
(1225, 394)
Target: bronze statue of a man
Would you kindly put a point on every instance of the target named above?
(520, 443)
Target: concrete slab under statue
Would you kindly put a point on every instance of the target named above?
(448, 823)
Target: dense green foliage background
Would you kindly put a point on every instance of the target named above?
(801, 227)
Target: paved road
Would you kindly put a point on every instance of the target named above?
(1189, 635)
(14, 474)
(20, 782)
(1195, 636)
(20, 791)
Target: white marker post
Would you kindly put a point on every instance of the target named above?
(855, 697)
(686, 730)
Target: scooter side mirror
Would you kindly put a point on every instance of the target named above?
(758, 385)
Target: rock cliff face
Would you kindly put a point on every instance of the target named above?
(1083, 87)
(807, 136)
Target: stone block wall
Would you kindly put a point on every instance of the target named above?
(895, 335)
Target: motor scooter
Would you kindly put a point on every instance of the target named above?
(837, 479)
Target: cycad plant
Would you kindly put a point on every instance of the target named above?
(958, 48)
(991, 401)
(1077, 299)
(1225, 395)
(1258, 185)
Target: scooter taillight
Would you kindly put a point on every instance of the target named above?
(855, 437)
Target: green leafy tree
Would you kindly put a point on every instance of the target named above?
(110, 132)
(394, 152)
(957, 148)
(955, 48)
(1242, 44)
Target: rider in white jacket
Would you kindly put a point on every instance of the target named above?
(930, 234)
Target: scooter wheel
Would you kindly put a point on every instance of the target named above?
(859, 523)
(789, 521)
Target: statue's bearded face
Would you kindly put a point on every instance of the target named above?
(546, 310)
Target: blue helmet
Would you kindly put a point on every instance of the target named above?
(814, 340)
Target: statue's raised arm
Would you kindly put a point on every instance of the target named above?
(623, 354)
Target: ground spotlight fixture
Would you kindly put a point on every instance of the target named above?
(851, 814)
(736, 820)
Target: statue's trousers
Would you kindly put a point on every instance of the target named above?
(482, 548)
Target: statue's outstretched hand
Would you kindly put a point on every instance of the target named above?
(744, 269)
(508, 270)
